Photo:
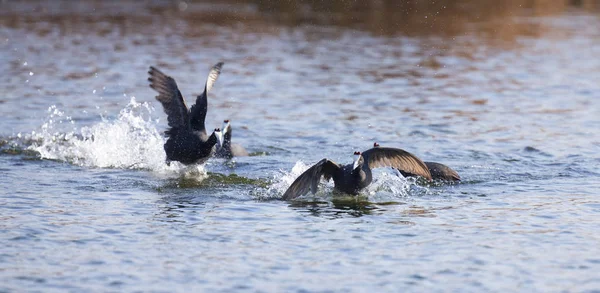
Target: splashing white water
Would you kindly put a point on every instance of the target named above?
(281, 182)
(388, 185)
(131, 141)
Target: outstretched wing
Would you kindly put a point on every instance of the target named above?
(309, 180)
(214, 73)
(170, 97)
(395, 158)
(198, 111)
(441, 171)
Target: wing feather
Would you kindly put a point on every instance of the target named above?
(395, 158)
(198, 110)
(441, 171)
(170, 97)
(309, 180)
(213, 75)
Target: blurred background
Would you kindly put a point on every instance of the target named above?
(379, 17)
(500, 21)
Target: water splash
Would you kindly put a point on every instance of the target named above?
(389, 185)
(131, 141)
(279, 183)
(282, 181)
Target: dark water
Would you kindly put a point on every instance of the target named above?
(508, 94)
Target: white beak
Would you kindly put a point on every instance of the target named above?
(219, 135)
(356, 160)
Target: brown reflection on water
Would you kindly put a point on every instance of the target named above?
(496, 19)
(417, 18)
(455, 29)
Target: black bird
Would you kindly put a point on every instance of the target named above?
(352, 178)
(226, 149)
(187, 140)
(437, 170)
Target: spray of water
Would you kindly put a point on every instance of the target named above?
(389, 185)
(280, 182)
(283, 180)
(131, 141)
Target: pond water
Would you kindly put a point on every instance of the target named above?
(506, 94)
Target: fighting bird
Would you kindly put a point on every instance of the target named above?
(438, 171)
(354, 177)
(226, 149)
(187, 141)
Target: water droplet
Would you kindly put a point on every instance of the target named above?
(30, 73)
(25, 63)
(94, 91)
(182, 6)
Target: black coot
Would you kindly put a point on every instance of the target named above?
(187, 140)
(352, 178)
(226, 149)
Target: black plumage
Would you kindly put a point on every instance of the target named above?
(438, 171)
(187, 140)
(227, 149)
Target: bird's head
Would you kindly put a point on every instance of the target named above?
(226, 126)
(375, 145)
(358, 161)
